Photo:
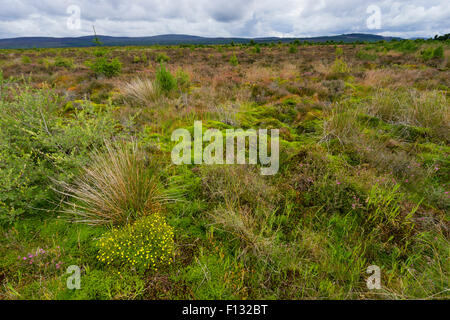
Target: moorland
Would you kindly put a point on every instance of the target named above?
(86, 177)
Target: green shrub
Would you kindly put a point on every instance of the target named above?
(165, 80)
(144, 58)
(183, 80)
(234, 61)
(438, 53)
(106, 67)
(63, 62)
(405, 46)
(136, 59)
(26, 59)
(293, 49)
(432, 53)
(340, 67)
(427, 54)
(100, 52)
(162, 57)
(36, 145)
(366, 56)
(147, 244)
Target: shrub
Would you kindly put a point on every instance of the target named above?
(438, 53)
(234, 61)
(405, 46)
(100, 52)
(36, 144)
(432, 53)
(339, 67)
(427, 54)
(106, 67)
(366, 56)
(136, 59)
(162, 57)
(63, 62)
(292, 49)
(146, 244)
(165, 80)
(26, 59)
(118, 187)
(183, 80)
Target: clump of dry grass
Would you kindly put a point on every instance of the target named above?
(142, 90)
(428, 109)
(340, 123)
(253, 229)
(120, 185)
(246, 208)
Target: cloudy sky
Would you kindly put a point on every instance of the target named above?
(251, 18)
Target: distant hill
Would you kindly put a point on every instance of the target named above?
(169, 39)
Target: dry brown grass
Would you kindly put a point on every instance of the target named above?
(142, 90)
(428, 109)
(119, 186)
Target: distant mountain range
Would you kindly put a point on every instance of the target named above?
(169, 39)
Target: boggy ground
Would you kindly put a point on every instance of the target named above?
(363, 179)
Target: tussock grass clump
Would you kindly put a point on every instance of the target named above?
(118, 187)
(246, 206)
(142, 90)
(429, 109)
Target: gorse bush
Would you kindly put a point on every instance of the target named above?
(118, 187)
(146, 244)
(106, 67)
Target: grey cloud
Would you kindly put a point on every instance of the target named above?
(253, 18)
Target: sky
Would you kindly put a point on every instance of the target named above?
(223, 18)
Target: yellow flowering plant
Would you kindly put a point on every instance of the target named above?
(146, 244)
